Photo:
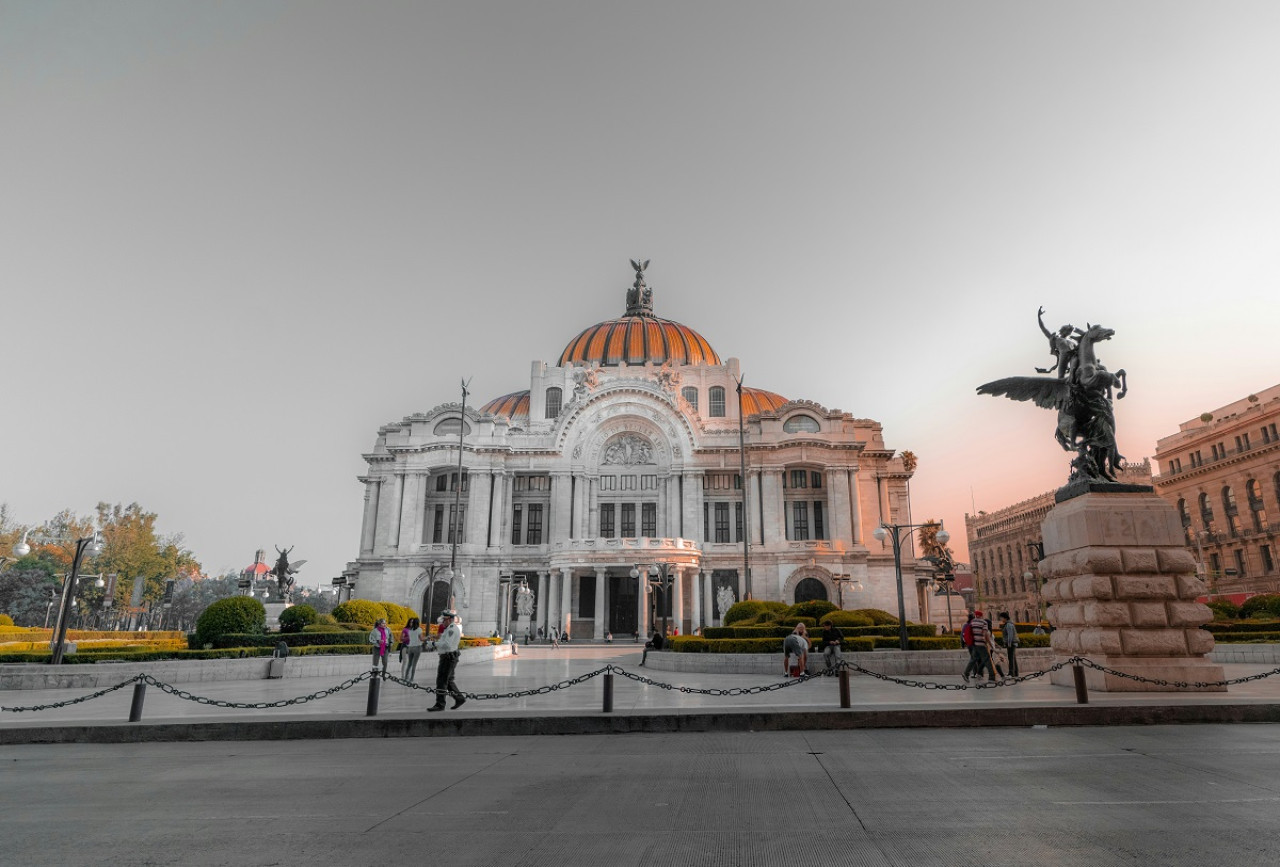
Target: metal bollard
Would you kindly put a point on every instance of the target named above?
(608, 693)
(375, 684)
(844, 688)
(1082, 689)
(139, 695)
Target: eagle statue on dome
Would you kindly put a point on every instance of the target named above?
(639, 296)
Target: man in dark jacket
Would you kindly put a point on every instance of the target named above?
(831, 638)
(654, 643)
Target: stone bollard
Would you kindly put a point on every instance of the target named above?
(375, 683)
(608, 693)
(139, 695)
(845, 701)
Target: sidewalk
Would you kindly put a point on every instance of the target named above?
(577, 708)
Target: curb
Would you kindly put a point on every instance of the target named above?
(650, 723)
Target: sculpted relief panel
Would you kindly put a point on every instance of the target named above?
(628, 449)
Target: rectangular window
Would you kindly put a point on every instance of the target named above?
(442, 482)
(607, 528)
(799, 478)
(815, 480)
(648, 483)
(819, 531)
(628, 520)
(437, 530)
(453, 482)
(1215, 564)
(722, 522)
(608, 483)
(587, 599)
(715, 401)
(628, 483)
(737, 522)
(1268, 565)
(1240, 562)
(1246, 441)
(1266, 435)
(649, 520)
(515, 526)
(534, 535)
(706, 521)
(460, 525)
(800, 521)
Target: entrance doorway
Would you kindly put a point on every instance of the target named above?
(810, 589)
(622, 605)
(435, 600)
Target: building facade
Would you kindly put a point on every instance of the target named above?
(1004, 556)
(622, 454)
(1221, 471)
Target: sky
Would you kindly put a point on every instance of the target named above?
(239, 237)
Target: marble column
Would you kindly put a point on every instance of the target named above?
(677, 598)
(581, 524)
(544, 600)
(602, 582)
(409, 514)
(370, 528)
(553, 599)
(566, 600)
(476, 499)
(389, 515)
(855, 506)
(771, 507)
(695, 600)
(707, 603)
(593, 507)
(839, 528)
(755, 502)
(691, 508)
(496, 504)
(558, 517)
(642, 606)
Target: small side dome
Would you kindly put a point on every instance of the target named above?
(756, 400)
(511, 405)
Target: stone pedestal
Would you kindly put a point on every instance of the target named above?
(1122, 589)
(523, 626)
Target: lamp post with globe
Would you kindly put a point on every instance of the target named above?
(90, 545)
(893, 532)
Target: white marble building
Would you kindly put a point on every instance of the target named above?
(625, 451)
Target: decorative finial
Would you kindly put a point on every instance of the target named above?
(639, 296)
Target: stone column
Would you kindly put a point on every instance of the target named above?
(677, 598)
(388, 515)
(1123, 588)
(839, 528)
(771, 507)
(692, 505)
(508, 507)
(755, 501)
(642, 606)
(410, 513)
(581, 524)
(370, 528)
(566, 599)
(544, 601)
(496, 506)
(695, 602)
(707, 602)
(602, 581)
(855, 507)
(558, 517)
(593, 507)
(477, 504)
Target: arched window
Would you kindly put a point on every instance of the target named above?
(690, 395)
(1206, 512)
(801, 424)
(809, 589)
(1000, 558)
(554, 396)
(450, 426)
(1231, 510)
(715, 401)
(1254, 491)
(1183, 513)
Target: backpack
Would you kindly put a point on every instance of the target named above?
(966, 635)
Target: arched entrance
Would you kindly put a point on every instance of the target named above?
(810, 589)
(435, 600)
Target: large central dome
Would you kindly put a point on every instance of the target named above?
(639, 337)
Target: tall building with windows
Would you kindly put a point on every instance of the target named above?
(623, 453)
(1221, 471)
(1002, 550)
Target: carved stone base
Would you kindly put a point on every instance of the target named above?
(1122, 589)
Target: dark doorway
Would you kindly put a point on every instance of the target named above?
(622, 605)
(435, 600)
(810, 589)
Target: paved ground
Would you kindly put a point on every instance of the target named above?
(1093, 797)
(540, 666)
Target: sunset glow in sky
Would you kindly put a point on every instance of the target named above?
(239, 237)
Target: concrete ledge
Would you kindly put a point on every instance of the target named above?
(650, 723)
(102, 674)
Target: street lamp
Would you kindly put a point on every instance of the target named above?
(91, 545)
(855, 586)
(894, 533)
(659, 577)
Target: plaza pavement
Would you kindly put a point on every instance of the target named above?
(577, 709)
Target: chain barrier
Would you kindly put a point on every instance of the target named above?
(730, 692)
(252, 705)
(57, 704)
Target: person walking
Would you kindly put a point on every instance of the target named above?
(555, 639)
(447, 645)
(982, 645)
(380, 638)
(411, 638)
(796, 645)
(831, 638)
(1009, 632)
(966, 640)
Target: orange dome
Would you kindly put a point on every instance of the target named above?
(756, 400)
(510, 405)
(637, 340)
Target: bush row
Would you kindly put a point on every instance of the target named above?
(717, 632)
(1219, 628)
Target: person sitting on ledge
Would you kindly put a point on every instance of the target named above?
(654, 643)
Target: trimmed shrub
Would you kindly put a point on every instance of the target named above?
(1265, 604)
(326, 620)
(234, 614)
(324, 627)
(689, 644)
(877, 616)
(814, 608)
(296, 617)
(1242, 626)
(6, 620)
(398, 615)
(1224, 610)
(749, 609)
(361, 612)
(845, 619)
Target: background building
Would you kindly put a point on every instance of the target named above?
(1221, 471)
(1003, 555)
(625, 451)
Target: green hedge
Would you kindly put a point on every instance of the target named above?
(292, 639)
(913, 629)
(1243, 626)
(1246, 637)
(749, 609)
(233, 614)
(693, 644)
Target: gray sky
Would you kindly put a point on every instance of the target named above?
(238, 237)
